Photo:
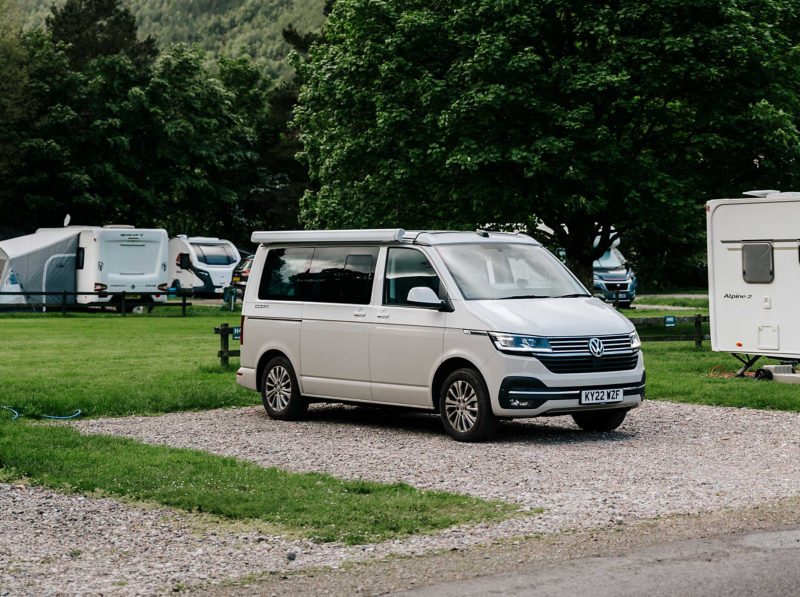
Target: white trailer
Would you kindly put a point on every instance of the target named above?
(120, 258)
(754, 277)
(202, 264)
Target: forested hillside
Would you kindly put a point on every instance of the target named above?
(219, 26)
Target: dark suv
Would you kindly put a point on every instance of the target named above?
(240, 275)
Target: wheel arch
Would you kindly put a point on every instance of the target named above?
(264, 359)
(446, 368)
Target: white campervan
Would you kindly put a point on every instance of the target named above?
(117, 259)
(202, 264)
(754, 276)
(476, 326)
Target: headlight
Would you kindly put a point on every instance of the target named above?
(520, 344)
(636, 341)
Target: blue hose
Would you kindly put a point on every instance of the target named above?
(77, 414)
(17, 415)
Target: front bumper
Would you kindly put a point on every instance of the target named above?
(548, 393)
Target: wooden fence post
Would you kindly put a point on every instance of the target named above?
(64, 302)
(183, 306)
(698, 330)
(124, 305)
(223, 344)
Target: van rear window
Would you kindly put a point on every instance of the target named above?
(285, 272)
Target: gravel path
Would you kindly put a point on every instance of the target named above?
(666, 459)
(697, 296)
(665, 308)
(55, 544)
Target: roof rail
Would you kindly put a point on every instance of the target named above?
(328, 236)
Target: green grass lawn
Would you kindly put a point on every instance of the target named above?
(679, 372)
(108, 365)
(311, 505)
(695, 303)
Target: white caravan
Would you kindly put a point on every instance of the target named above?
(754, 276)
(476, 326)
(119, 258)
(202, 264)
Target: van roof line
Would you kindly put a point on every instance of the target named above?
(387, 235)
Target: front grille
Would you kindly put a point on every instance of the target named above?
(580, 344)
(589, 364)
(615, 287)
(571, 355)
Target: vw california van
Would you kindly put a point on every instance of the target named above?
(475, 326)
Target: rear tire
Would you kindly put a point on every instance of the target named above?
(465, 408)
(600, 420)
(280, 392)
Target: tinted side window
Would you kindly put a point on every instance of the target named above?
(757, 267)
(284, 275)
(342, 275)
(407, 269)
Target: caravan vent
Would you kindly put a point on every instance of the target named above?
(760, 194)
(124, 226)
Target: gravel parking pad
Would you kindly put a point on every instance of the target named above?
(666, 459)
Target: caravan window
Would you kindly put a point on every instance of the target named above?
(757, 266)
(214, 254)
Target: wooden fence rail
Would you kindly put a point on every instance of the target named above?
(124, 303)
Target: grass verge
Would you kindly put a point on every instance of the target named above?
(114, 366)
(312, 505)
(679, 372)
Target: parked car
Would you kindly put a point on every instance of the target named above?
(613, 273)
(240, 275)
(475, 326)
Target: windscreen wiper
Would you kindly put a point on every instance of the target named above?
(572, 296)
(520, 296)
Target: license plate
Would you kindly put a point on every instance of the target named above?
(600, 396)
(133, 296)
(236, 278)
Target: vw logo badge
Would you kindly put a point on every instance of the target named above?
(596, 347)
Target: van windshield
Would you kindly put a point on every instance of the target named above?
(214, 254)
(611, 259)
(487, 271)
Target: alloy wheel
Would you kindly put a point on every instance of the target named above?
(279, 388)
(461, 406)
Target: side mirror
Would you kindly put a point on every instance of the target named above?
(183, 261)
(422, 296)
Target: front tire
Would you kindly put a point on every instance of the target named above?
(600, 420)
(280, 392)
(465, 408)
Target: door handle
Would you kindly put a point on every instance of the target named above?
(383, 315)
(360, 313)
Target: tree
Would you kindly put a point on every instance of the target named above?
(15, 102)
(170, 146)
(579, 115)
(93, 28)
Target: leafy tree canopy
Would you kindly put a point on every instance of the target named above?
(580, 115)
(92, 28)
(220, 27)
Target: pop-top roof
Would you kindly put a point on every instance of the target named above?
(388, 235)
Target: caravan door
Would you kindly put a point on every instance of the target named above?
(59, 276)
